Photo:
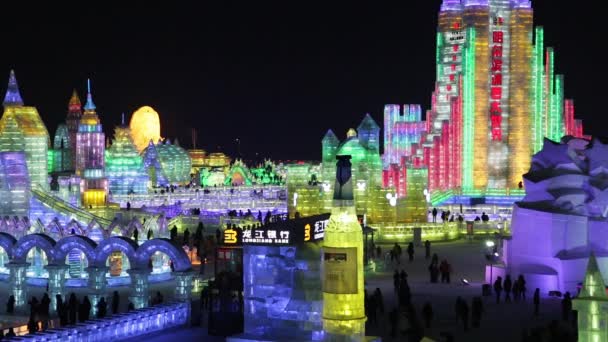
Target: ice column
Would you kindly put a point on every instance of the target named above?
(97, 285)
(56, 283)
(139, 285)
(17, 283)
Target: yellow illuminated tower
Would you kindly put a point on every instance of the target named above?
(343, 292)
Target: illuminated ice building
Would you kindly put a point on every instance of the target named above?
(167, 163)
(90, 147)
(124, 166)
(496, 98)
(22, 129)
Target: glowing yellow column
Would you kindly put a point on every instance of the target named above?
(343, 292)
(478, 17)
(520, 135)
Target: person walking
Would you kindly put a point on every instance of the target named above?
(410, 251)
(434, 215)
(379, 300)
(521, 284)
(566, 306)
(393, 320)
(427, 249)
(73, 306)
(498, 288)
(115, 302)
(536, 300)
(43, 313)
(10, 305)
(102, 308)
(464, 314)
(396, 281)
(476, 312)
(427, 314)
(507, 286)
(443, 269)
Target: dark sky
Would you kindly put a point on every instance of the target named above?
(274, 76)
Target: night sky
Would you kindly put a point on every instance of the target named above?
(276, 76)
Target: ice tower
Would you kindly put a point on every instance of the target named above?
(496, 98)
(72, 121)
(343, 292)
(124, 166)
(22, 129)
(592, 306)
(90, 146)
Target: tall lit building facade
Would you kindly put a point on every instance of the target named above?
(496, 98)
(90, 148)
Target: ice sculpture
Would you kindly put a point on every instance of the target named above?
(90, 146)
(124, 166)
(167, 163)
(22, 129)
(343, 292)
(145, 126)
(14, 185)
(564, 215)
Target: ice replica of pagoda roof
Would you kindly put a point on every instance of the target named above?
(12, 97)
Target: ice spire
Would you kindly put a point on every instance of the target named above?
(89, 105)
(12, 97)
(593, 286)
(591, 305)
(75, 99)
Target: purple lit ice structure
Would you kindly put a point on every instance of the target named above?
(563, 217)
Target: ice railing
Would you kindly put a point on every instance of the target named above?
(118, 327)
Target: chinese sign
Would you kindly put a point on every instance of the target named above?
(315, 231)
(266, 236)
(497, 39)
(279, 232)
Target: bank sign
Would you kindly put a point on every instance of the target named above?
(288, 232)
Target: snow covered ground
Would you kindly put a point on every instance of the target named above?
(500, 322)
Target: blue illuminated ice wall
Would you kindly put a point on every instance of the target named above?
(282, 292)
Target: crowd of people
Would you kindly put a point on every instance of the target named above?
(69, 312)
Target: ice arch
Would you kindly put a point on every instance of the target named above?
(44, 242)
(177, 255)
(115, 243)
(69, 243)
(7, 242)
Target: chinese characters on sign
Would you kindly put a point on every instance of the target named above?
(315, 230)
(280, 232)
(496, 79)
(263, 236)
(230, 236)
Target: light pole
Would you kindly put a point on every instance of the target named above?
(238, 146)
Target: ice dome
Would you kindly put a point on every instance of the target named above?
(145, 126)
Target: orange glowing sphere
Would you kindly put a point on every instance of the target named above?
(145, 126)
